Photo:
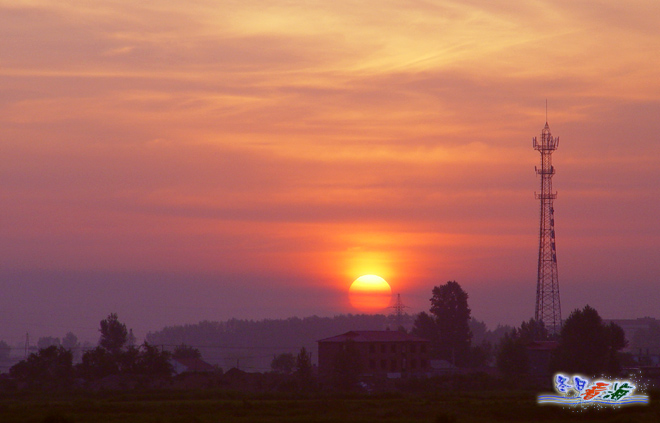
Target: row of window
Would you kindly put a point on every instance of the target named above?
(393, 365)
(393, 348)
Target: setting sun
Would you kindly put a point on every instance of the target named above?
(370, 293)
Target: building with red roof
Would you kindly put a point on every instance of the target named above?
(377, 353)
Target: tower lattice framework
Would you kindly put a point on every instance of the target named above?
(548, 307)
(399, 311)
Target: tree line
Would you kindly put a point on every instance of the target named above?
(585, 344)
(251, 344)
(52, 367)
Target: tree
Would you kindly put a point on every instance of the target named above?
(98, 363)
(426, 327)
(304, 366)
(478, 330)
(481, 355)
(512, 357)
(481, 351)
(48, 368)
(533, 330)
(447, 327)
(70, 343)
(130, 340)
(283, 363)
(186, 351)
(47, 341)
(146, 360)
(617, 342)
(587, 345)
(113, 334)
(153, 362)
(113, 356)
(128, 360)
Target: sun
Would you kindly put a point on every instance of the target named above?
(370, 293)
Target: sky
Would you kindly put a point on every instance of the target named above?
(177, 161)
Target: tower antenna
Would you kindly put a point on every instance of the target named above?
(548, 307)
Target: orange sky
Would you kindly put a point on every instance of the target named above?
(248, 150)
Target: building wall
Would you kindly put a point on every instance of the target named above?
(379, 357)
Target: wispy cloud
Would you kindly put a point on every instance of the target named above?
(311, 136)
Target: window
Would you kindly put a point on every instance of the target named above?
(383, 348)
(422, 364)
(372, 364)
(393, 348)
(383, 364)
(413, 363)
(422, 348)
(372, 348)
(393, 365)
(413, 348)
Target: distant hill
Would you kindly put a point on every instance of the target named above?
(251, 345)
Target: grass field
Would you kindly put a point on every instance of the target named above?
(217, 406)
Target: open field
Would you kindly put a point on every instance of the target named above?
(217, 406)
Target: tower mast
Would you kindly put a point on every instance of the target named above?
(398, 311)
(548, 308)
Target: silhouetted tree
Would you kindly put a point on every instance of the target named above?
(617, 342)
(263, 334)
(587, 345)
(113, 334)
(481, 350)
(186, 351)
(107, 358)
(98, 363)
(128, 360)
(152, 361)
(70, 342)
(494, 336)
(426, 327)
(146, 360)
(481, 355)
(447, 327)
(47, 341)
(512, 356)
(283, 363)
(533, 330)
(304, 367)
(130, 339)
(48, 368)
(478, 330)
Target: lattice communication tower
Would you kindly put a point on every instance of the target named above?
(399, 311)
(548, 307)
